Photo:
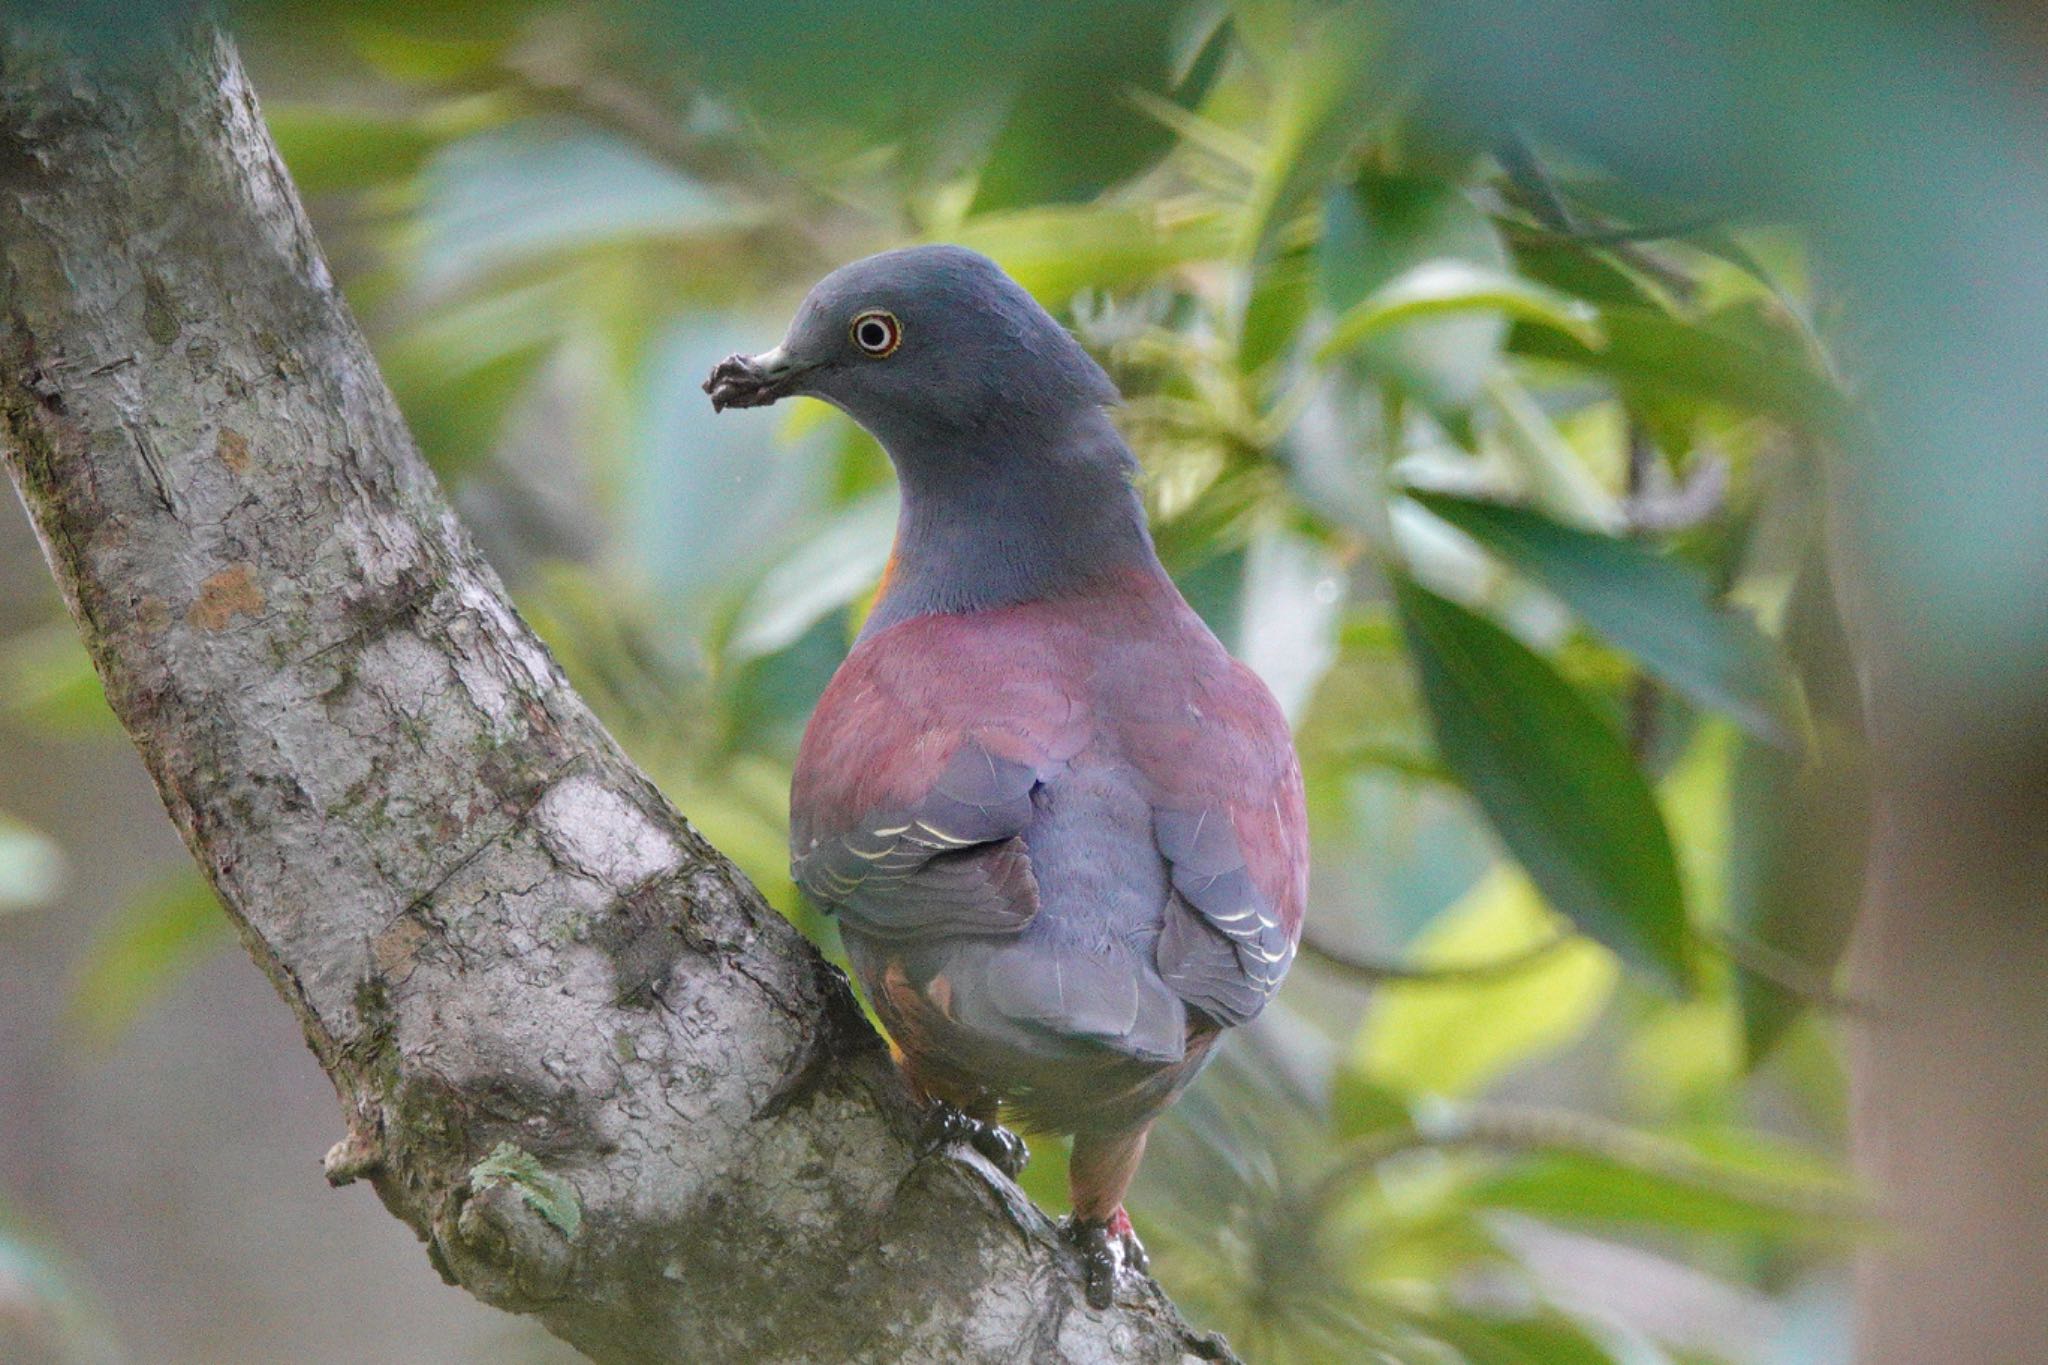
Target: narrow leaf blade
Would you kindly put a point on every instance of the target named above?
(1643, 604)
(1652, 354)
(1555, 780)
(1444, 288)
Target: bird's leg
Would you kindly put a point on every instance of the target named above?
(1109, 1249)
(946, 1123)
(1099, 1174)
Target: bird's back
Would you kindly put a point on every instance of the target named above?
(1061, 835)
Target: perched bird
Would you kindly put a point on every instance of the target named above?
(1063, 830)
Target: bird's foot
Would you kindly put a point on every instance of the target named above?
(1109, 1250)
(945, 1124)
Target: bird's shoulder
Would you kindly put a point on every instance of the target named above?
(906, 699)
(1195, 721)
(920, 766)
(1127, 670)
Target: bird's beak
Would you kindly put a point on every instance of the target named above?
(752, 381)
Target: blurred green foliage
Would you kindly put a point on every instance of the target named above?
(47, 1311)
(1500, 471)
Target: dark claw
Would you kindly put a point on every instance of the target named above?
(945, 1124)
(1107, 1254)
(1135, 1255)
(1098, 1253)
(1004, 1149)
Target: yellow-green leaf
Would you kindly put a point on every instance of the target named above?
(1457, 1037)
(1442, 288)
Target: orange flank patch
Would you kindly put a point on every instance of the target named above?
(900, 1006)
(888, 572)
(940, 993)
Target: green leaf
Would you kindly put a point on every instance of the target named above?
(1718, 360)
(1056, 251)
(1360, 1104)
(1413, 842)
(1444, 288)
(31, 867)
(1293, 596)
(535, 190)
(330, 149)
(1798, 831)
(1654, 608)
(1458, 1036)
(149, 943)
(1577, 269)
(1555, 473)
(47, 683)
(1330, 89)
(1045, 1178)
(826, 572)
(1543, 1338)
(1555, 780)
(1745, 1185)
(1037, 158)
(1281, 300)
(429, 57)
(1379, 228)
(1266, 30)
(459, 417)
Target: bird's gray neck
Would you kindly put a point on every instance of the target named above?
(1020, 521)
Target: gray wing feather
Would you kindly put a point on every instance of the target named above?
(951, 863)
(1222, 948)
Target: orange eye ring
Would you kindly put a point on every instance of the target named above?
(876, 333)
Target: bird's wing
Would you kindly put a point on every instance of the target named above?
(917, 775)
(949, 860)
(1229, 818)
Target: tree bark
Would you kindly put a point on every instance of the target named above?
(575, 1051)
(1948, 1106)
(1950, 1109)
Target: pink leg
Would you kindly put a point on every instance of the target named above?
(1100, 1172)
(1099, 1175)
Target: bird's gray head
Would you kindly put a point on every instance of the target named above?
(928, 347)
(1015, 484)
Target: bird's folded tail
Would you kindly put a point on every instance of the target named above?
(1105, 997)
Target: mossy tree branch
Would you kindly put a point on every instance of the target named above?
(575, 1051)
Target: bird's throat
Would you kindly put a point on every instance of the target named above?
(994, 536)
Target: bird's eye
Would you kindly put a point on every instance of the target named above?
(877, 332)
